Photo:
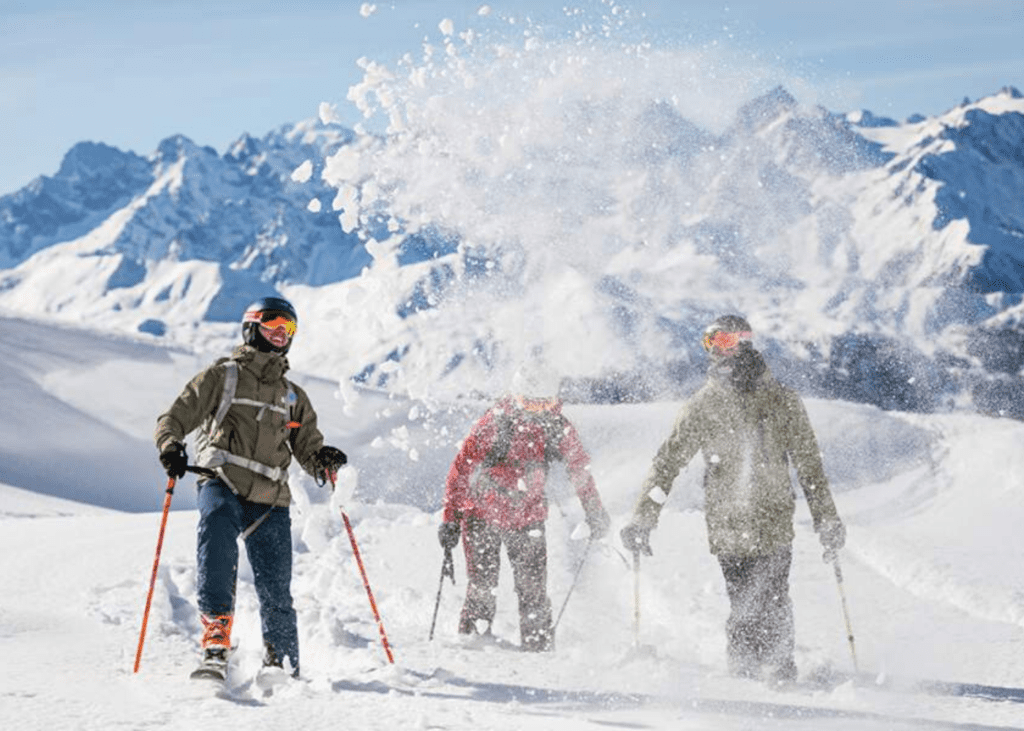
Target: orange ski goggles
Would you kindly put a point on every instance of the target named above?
(722, 340)
(273, 320)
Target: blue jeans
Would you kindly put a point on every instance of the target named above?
(223, 517)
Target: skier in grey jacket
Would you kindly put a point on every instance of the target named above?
(750, 430)
(251, 421)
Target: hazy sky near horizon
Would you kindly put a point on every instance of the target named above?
(131, 74)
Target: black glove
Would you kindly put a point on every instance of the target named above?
(326, 463)
(832, 534)
(599, 523)
(637, 538)
(174, 460)
(448, 535)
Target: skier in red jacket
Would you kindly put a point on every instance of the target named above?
(495, 493)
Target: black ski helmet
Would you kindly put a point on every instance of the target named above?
(726, 324)
(251, 323)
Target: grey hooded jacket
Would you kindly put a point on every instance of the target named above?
(749, 441)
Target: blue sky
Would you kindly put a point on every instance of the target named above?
(132, 73)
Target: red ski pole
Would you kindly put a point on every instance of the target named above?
(366, 583)
(156, 564)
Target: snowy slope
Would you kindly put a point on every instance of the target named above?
(931, 573)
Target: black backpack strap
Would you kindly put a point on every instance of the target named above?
(553, 426)
(498, 452)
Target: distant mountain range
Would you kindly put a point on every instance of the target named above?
(880, 261)
(238, 212)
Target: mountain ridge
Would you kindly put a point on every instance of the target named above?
(786, 202)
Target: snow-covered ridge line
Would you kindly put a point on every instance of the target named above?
(529, 199)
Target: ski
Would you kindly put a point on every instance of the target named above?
(950, 688)
(828, 679)
(214, 665)
(271, 678)
(208, 673)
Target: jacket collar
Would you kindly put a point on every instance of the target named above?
(743, 372)
(266, 366)
(509, 404)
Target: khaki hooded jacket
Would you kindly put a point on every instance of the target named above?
(250, 431)
(749, 441)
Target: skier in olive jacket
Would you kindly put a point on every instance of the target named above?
(251, 421)
(750, 430)
(496, 492)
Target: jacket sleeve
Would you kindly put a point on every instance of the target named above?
(306, 439)
(472, 452)
(577, 464)
(673, 454)
(200, 397)
(806, 459)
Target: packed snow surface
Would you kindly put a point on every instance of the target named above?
(931, 572)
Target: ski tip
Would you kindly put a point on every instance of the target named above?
(208, 675)
(639, 653)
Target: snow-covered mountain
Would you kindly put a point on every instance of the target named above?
(144, 239)
(835, 234)
(597, 204)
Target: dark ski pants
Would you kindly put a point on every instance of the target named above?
(760, 627)
(223, 517)
(528, 554)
